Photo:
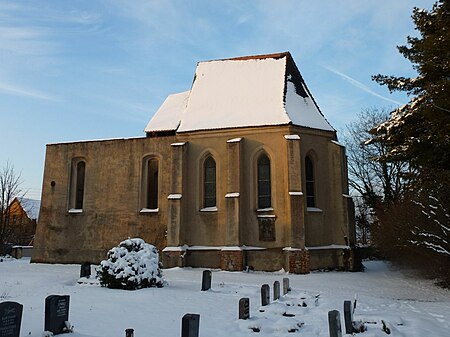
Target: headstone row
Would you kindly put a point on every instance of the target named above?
(244, 303)
(56, 316)
(334, 321)
(265, 291)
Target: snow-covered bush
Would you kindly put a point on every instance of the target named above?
(134, 264)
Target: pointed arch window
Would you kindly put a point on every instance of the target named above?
(209, 182)
(76, 194)
(264, 182)
(310, 188)
(150, 184)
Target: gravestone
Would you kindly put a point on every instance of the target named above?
(190, 324)
(85, 270)
(334, 323)
(56, 313)
(206, 280)
(348, 317)
(265, 294)
(244, 308)
(10, 319)
(286, 287)
(276, 290)
(129, 332)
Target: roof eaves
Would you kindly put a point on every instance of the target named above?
(254, 57)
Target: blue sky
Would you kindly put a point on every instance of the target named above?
(77, 70)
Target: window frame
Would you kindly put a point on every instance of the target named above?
(310, 182)
(205, 181)
(150, 187)
(77, 185)
(259, 194)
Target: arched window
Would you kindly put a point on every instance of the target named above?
(150, 183)
(264, 188)
(309, 173)
(209, 182)
(76, 193)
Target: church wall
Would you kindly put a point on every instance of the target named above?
(111, 207)
(209, 228)
(113, 196)
(324, 222)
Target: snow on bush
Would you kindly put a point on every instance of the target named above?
(134, 264)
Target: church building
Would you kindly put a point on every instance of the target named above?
(241, 171)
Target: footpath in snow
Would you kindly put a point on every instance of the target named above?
(409, 307)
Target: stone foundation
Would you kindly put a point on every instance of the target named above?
(173, 258)
(298, 261)
(232, 260)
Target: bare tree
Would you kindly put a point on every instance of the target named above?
(371, 174)
(374, 179)
(10, 189)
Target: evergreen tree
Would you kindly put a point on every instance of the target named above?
(419, 132)
(415, 228)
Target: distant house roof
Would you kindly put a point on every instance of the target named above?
(241, 92)
(31, 207)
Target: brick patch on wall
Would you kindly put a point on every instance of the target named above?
(232, 260)
(298, 262)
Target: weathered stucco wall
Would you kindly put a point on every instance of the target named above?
(111, 210)
(113, 196)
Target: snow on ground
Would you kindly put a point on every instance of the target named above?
(411, 307)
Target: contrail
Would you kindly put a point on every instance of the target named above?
(14, 90)
(361, 86)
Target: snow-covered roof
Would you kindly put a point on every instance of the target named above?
(241, 92)
(31, 207)
(168, 116)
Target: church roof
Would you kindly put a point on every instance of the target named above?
(241, 92)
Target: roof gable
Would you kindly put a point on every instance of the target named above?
(241, 92)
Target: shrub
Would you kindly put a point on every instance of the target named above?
(134, 264)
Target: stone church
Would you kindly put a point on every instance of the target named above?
(242, 170)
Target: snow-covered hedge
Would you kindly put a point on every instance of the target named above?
(134, 264)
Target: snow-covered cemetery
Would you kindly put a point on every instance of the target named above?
(383, 302)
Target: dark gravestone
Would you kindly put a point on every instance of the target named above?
(10, 319)
(276, 290)
(334, 323)
(286, 286)
(265, 294)
(348, 317)
(190, 324)
(56, 313)
(206, 280)
(85, 270)
(244, 308)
